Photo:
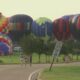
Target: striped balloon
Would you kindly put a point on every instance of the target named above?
(19, 25)
(61, 29)
(42, 28)
(20, 22)
(75, 27)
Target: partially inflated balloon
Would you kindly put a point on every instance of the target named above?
(19, 25)
(61, 29)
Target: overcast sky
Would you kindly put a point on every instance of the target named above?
(40, 8)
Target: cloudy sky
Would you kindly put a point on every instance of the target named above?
(40, 8)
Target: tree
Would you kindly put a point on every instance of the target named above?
(76, 49)
(67, 49)
(27, 43)
(38, 47)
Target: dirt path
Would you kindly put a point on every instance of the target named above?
(18, 72)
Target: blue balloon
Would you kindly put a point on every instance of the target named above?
(4, 49)
(41, 30)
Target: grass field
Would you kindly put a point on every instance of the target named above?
(62, 73)
(15, 58)
(10, 59)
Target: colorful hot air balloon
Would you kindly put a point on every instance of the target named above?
(42, 28)
(75, 26)
(3, 24)
(4, 49)
(61, 29)
(19, 25)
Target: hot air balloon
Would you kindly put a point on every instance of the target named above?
(61, 29)
(19, 25)
(4, 49)
(75, 26)
(3, 24)
(42, 28)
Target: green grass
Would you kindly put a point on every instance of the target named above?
(10, 59)
(62, 73)
(15, 58)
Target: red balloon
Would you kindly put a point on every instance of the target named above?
(61, 29)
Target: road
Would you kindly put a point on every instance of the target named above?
(18, 72)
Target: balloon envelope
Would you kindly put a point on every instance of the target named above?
(61, 29)
(3, 24)
(75, 27)
(42, 27)
(19, 25)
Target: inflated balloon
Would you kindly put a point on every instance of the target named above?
(19, 25)
(61, 29)
(42, 27)
(3, 24)
(75, 27)
(4, 49)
